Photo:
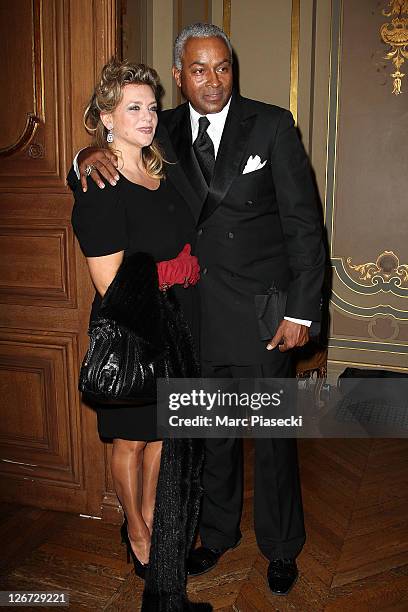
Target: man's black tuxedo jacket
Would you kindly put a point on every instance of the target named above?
(255, 230)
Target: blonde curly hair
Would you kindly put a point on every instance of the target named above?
(106, 97)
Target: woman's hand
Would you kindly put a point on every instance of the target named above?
(104, 163)
(182, 270)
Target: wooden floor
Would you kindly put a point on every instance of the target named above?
(356, 555)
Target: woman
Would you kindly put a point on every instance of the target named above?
(145, 213)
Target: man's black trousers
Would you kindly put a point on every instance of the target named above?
(278, 511)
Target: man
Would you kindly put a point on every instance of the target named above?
(246, 176)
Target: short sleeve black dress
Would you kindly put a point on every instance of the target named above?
(133, 218)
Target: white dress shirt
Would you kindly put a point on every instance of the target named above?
(215, 130)
(216, 127)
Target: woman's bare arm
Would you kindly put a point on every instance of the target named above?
(103, 269)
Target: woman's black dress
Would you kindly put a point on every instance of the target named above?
(133, 218)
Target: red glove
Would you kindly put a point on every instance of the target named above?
(182, 270)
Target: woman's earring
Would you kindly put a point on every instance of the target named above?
(109, 136)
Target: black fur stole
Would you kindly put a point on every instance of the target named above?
(135, 301)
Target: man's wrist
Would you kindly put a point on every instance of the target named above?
(299, 321)
(75, 164)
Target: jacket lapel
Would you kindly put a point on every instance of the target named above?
(232, 148)
(186, 172)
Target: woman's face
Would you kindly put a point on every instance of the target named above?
(134, 120)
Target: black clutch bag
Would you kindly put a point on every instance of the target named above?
(270, 310)
(138, 336)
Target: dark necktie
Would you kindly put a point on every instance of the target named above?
(204, 150)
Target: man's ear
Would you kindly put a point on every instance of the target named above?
(177, 75)
(106, 119)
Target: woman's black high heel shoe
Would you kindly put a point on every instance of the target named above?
(140, 568)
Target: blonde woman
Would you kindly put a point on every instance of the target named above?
(142, 212)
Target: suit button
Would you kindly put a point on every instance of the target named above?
(231, 235)
(200, 231)
(204, 271)
(250, 202)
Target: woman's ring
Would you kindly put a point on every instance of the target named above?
(89, 169)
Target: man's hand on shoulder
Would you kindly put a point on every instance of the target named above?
(104, 164)
(289, 335)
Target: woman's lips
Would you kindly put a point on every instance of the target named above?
(147, 130)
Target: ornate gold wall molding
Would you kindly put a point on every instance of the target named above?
(226, 17)
(369, 299)
(386, 262)
(395, 34)
(385, 272)
(294, 59)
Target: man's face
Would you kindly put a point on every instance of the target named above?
(206, 74)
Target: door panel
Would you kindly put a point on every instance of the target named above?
(50, 452)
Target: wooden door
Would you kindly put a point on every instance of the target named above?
(50, 453)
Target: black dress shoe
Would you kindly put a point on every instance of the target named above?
(203, 559)
(282, 575)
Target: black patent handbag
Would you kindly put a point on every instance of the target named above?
(120, 367)
(138, 336)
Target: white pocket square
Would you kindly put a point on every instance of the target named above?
(253, 163)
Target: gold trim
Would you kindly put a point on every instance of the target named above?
(294, 59)
(226, 17)
(362, 341)
(366, 350)
(179, 28)
(179, 16)
(366, 316)
(387, 267)
(338, 361)
(206, 11)
(395, 35)
(338, 261)
(371, 365)
(336, 135)
(328, 130)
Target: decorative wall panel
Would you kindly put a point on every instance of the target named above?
(37, 263)
(21, 108)
(367, 190)
(39, 430)
(34, 142)
(50, 451)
